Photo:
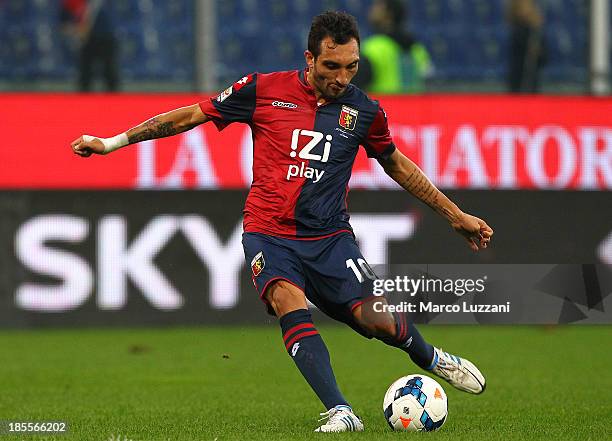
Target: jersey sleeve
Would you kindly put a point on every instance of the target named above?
(378, 142)
(234, 104)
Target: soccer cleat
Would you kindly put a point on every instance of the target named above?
(459, 372)
(340, 419)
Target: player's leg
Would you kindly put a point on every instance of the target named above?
(303, 342)
(393, 329)
(401, 333)
(338, 274)
(306, 347)
(277, 275)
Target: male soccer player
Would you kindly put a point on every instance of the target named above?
(307, 128)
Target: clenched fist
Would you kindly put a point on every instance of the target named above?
(86, 145)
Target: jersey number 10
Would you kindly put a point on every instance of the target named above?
(365, 268)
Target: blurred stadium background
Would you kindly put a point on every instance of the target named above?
(186, 45)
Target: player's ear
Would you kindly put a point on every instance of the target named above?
(310, 59)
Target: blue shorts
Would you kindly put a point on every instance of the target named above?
(328, 270)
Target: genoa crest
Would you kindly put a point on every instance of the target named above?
(348, 118)
(258, 264)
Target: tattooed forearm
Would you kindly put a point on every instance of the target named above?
(167, 124)
(410, 177)
(415, 181)
(152, 129)
(420, 186)
(407, 174)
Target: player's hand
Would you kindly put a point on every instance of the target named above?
(476, 231)
(86, 148)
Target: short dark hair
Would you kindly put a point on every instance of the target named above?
(338, 25)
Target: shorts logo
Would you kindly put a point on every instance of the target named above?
(258, 264)
(226, 93)
(348, 118)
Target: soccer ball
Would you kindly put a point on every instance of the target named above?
(415, 403)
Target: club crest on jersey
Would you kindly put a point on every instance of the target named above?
(258, 264)
(348, 118)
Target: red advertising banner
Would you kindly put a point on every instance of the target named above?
(497, 142)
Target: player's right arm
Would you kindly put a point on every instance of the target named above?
(234, 104)
(160, 126)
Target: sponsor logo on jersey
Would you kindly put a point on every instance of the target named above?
(284, 105)
(258, 264)
(348, 118)
(223, 95)
(303, 171)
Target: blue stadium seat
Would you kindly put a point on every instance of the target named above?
(466, 38)
(487, 11)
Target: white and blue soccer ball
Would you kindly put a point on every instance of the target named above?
(415, 403)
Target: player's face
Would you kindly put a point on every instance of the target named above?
(332, 71)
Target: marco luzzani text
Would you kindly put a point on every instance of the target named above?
(412, 286)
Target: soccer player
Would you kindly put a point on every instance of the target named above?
(307, 128)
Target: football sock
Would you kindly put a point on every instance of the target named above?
(306, 347)
(409, 339)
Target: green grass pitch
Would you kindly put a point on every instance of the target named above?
(238, 383)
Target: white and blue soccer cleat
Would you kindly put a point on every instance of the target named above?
(340, 419)
(459, 372)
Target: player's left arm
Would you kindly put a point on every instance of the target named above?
(410, 177)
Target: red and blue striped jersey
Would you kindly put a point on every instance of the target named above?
(303, 153)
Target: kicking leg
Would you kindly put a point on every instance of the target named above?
(306, 347)
(395, 330)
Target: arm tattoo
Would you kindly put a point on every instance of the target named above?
(410, 177)
(152, 129)
(421, 187)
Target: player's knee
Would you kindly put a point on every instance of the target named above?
(381, 326)
(285, 298)
(375, 322)
(386, 327)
